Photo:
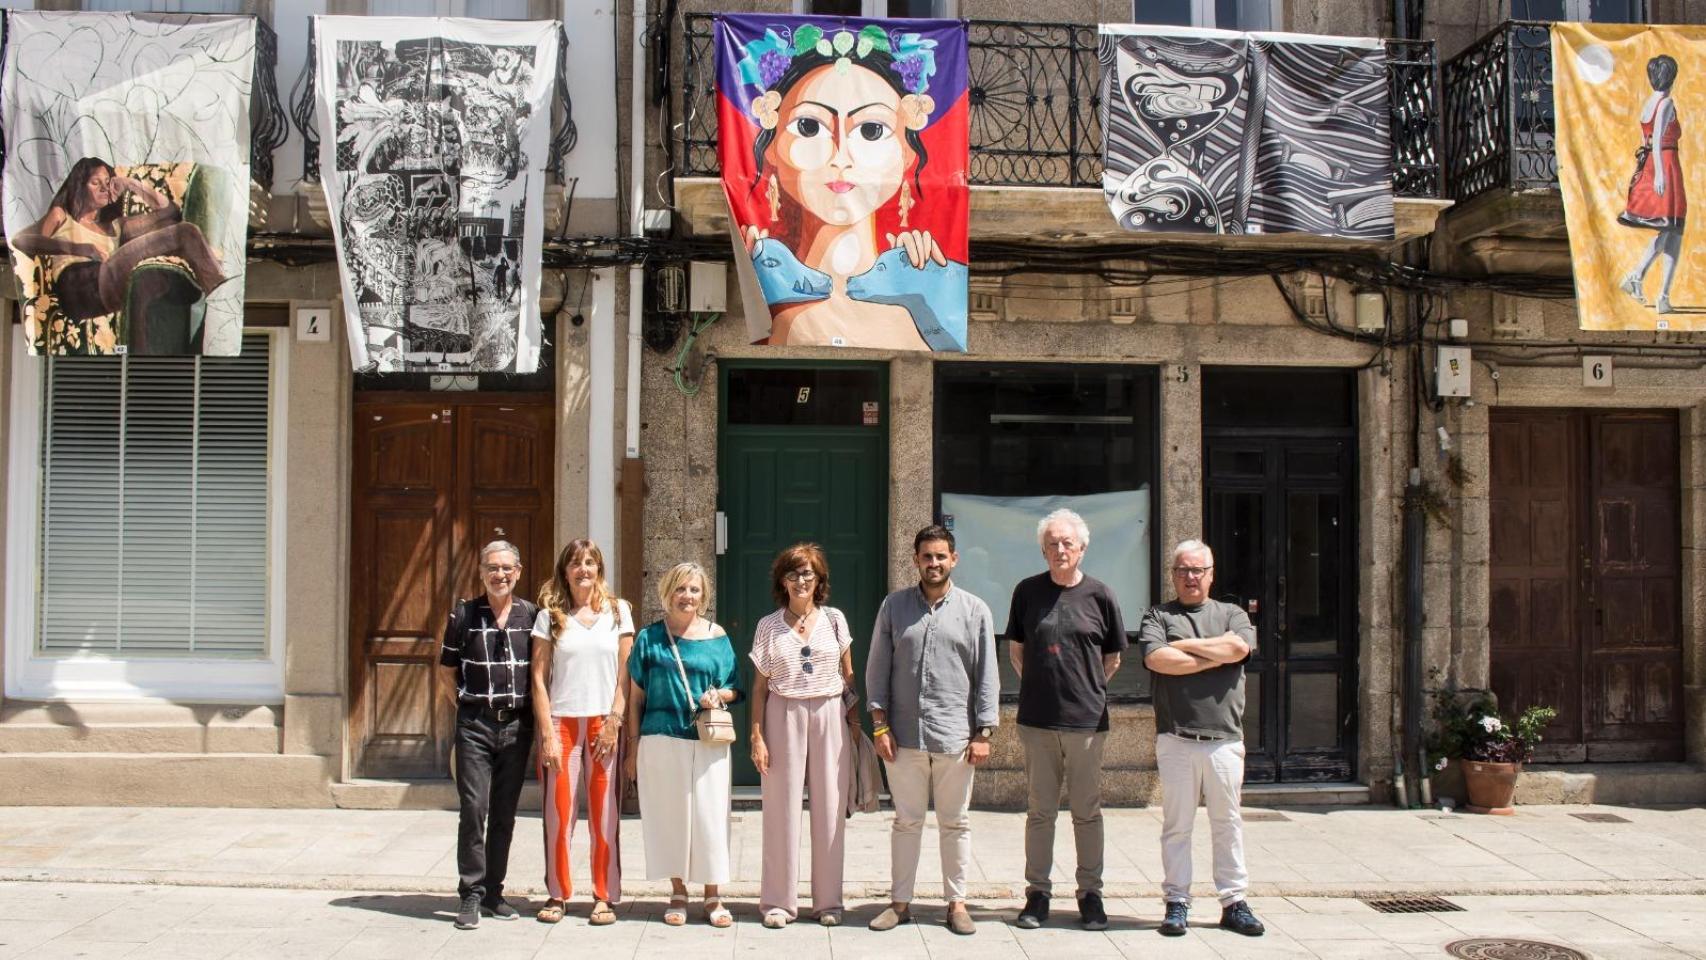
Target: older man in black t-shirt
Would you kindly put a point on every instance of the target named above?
(1196, 647)
(1066, 638)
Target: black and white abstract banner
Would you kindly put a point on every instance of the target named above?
(1212, 131)
(127, 179)
(434, 138)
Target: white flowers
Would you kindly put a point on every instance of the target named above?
(1441, 764)
(1491, 724)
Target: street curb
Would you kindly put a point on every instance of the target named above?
(856, 890)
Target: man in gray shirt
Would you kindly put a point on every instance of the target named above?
(1195, 647)
(932, 685)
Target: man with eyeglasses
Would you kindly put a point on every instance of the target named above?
(932, 685)
(1195, 647)
(1066, 635)
(485, 672)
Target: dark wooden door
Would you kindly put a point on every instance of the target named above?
(434, 478)
(787, 476)
(1280, 519)
(1584, 611)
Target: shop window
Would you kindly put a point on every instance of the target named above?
(1013, 442)
(153, 523)
(1219, 14)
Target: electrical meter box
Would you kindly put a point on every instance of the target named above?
(707, 287)
(1451, 374)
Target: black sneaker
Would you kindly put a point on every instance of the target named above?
(1239, 919)
(1035, 913)
(468, 915)
(1090, 912)
(499, 909)
(1177, 919)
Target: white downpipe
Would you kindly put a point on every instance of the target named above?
(636, 225)
(601, 410)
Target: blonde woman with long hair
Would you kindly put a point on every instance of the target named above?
(581, 642)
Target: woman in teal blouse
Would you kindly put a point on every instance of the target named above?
(684, 784)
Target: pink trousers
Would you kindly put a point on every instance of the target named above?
(807, 740)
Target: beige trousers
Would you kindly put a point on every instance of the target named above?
(915, 778)
(807, 740)
(1054, 757)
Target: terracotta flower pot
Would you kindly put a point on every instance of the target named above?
(1491, 786)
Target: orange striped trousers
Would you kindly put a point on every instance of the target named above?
(581, 773)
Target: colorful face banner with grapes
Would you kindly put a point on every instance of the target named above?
(843, 144)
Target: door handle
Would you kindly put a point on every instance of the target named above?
(1279, 621)
(722, 533)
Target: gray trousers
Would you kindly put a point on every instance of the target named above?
(1072, 757)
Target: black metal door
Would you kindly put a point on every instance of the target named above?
(1280, 515)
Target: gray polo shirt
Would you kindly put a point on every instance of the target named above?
(1206, 704)
(933, 668)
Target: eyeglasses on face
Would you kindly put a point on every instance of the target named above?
(501, 568)
(800, 576)
(1191, 573)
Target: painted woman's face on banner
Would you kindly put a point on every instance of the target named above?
(838, 150)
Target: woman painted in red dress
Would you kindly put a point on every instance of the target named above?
(1657, 200)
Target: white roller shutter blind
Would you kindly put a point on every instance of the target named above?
(154, 505)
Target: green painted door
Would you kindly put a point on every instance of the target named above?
(802, 454)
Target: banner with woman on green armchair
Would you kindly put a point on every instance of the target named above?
(126, 180)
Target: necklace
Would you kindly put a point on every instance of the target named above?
(799, 623)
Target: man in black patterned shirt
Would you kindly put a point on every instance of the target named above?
(485, 661)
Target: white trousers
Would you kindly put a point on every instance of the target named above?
(1210, 772)
(684, 809)
(915, 778)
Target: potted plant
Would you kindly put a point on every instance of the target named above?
(1489, 749)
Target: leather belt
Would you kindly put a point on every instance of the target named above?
(500, 714)
(1201, 738)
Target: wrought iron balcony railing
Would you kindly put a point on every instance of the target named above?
(1499, 119)
(1036, 104)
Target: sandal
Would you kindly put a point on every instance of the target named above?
(718, 915)
(551, 912)
(676, 914)
(602, 913)
(776, 918)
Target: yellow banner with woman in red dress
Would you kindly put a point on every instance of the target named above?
(1630, 102)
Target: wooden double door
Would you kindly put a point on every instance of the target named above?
(1585, 607)
(434, 478)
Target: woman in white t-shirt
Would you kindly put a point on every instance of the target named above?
(581, 642)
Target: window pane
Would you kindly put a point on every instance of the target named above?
(166, 6)
(1538, 10)
(1313, 701)
(154, 509)
(1243, 14)
(403, 8)
(917, 8)
(497, 9)
(1175, 13)
(1614, 11)
(836, 8)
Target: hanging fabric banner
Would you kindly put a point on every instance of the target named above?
(1624, 96)
(843, 144)
(1218, 132)
(434, 138)
(127, 179)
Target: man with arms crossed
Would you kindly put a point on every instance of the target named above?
(1067, 636)
(1196, 647)
(933, 686)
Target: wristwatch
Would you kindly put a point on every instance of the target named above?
(984, 732)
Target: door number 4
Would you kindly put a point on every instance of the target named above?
(314, 323)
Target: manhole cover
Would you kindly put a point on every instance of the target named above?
(1265, 816)
(1417, 904)
(1507, 949)
(1601, 818)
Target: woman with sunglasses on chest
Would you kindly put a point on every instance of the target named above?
(803, 698)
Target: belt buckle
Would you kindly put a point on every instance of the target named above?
(504, 714)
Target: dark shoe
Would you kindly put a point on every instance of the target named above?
(1239, 919)
(959, 920)
(1090, 912)
(1177, 919)
(890, 918)
(1035, 913)
(499, 909)
(468, 915)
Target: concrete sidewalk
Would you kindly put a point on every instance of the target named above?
(1314, 852)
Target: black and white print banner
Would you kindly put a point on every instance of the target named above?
(434, 137)
(127, 179)
(1212, 131)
